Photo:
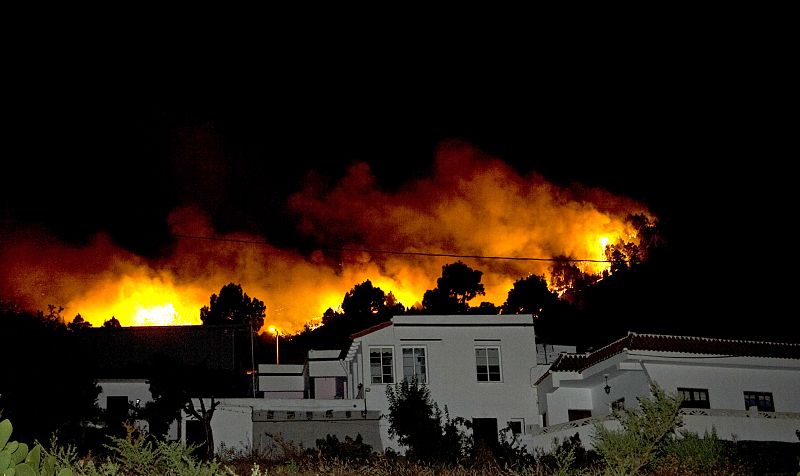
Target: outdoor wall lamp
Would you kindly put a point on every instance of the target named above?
(607, 388)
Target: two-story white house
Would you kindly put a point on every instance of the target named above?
(745, 390)
(481, 367)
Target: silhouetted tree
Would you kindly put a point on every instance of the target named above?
(233, 306)
(41, 355)
(174, 384)
(567, 278)
(417, 423)
(458, 285)
(364, 302)
(79, 324)
(485, 308)
(529, 296)
(113, 322)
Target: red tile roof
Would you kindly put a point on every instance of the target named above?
(370, 330)
(681, 344)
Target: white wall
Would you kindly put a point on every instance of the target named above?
(131, 388)
(281, 381)
(726, 385)
(628, 385)
(567, 398)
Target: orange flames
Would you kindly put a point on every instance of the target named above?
(472, 205)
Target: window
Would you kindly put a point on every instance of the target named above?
(487, 360)
(573, 415)
(761, 400)
(414, 364)
(618, 404)
(516, 425)
(380, 364)
(694, 397)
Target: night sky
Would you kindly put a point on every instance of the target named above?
(692, 138)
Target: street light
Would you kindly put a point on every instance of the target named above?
(277, 333)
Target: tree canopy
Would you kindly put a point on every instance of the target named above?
(454, 289)
(529, 296)
(233, 306)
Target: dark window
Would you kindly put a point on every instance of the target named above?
(694, 397)
(578, 414)
(761, 400)
(618, 404)
(516, 426)
(487, 361)
(380, 364)
(340, 384)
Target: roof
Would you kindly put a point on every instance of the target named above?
(133, 351)
(678, 344)
(370, 330)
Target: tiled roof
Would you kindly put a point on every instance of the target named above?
(370, 330)
(680, 344)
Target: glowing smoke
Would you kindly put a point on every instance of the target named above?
(472, 205)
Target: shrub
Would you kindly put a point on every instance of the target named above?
(644, 434)
(347, 450)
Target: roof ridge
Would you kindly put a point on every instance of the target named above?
(718, 339)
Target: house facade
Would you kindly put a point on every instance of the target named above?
(743, 390)
(482, 368)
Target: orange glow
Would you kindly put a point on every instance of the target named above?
(471, 205)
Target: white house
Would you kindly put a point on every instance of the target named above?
(745, 390)
(481, 368)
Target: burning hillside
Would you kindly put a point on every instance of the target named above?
(472, 205)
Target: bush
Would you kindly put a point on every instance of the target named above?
(348, 450)
(644, 434)
(419, 425)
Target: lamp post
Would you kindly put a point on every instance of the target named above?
(277, 333)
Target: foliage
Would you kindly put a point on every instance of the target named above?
(45, 355)
(529, 296)
(510, 453)
(420, 426)
(79, 324)
(566, 457)
(113, 323)
(233, 306)
(347, 450)
(15, 458)
(567, 278)
(692, 454)
(644, 435)
(458, 284)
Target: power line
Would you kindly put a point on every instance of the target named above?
(393, 252)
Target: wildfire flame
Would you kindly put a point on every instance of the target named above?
(472, 205)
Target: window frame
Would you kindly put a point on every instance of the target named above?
(771, 407)
(381, 349)
(692, 402)
(521, 422)
(413, 347)
(488, 372)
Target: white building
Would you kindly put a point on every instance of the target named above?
(481, 368)
(745, 390)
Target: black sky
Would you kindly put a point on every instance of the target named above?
(690, 131)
